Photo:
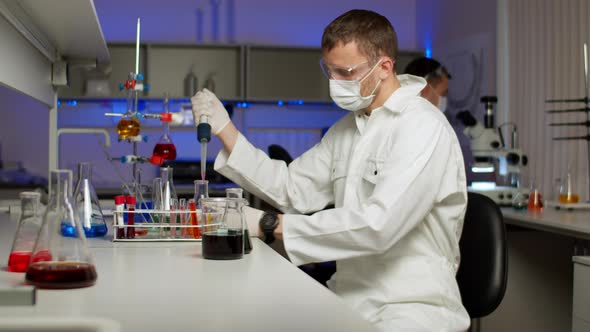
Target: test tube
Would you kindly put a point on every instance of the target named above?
(130, 200)
(192, 204)
(173, 215)
(119, 207)
(182, 212)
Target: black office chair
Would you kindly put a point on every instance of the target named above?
(482, 275)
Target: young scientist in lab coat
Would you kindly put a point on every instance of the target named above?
(394, 171)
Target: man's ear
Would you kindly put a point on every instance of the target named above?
(387, 67)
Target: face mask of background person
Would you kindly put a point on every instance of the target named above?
(354, 95)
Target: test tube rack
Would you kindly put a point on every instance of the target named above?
(152, 225)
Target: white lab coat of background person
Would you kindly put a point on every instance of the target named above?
(398, 183)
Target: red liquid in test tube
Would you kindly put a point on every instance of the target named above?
(130, 200)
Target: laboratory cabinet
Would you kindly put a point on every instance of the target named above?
(581, 302)
(238, 72)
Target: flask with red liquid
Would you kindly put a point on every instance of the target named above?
(535, 202)
(60, 257)
(165, 149)
(27, 230)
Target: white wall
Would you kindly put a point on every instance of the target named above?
(24, 131)
(461, 35)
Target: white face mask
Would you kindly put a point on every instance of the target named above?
(347, 93)
(442, 103)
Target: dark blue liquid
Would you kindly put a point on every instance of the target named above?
(68, 230)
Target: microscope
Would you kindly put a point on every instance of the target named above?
(493, 157)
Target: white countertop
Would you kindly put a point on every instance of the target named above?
(168, 286)
(569, 223)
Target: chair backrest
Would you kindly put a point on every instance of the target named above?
(482, 275)
(278, 152)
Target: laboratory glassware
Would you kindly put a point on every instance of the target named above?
(118, 217)
(87, 203)
(130, 201)
(165, 148)
(194, 231)
(223, 237)
(168, 193)
(128, 127)
(27, 230)
(567, 192)
(173, 216)
(239, 193)
(61, 258)
(201, 191)
(535, 202)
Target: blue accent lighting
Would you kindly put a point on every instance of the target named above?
(428, 52)
(280, 103)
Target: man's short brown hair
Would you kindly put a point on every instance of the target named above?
(373, 33)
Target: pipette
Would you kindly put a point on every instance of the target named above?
(204, 136)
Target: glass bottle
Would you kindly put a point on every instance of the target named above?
(239, 193)
(61, 258)
(27, 230)
(165, 148)
(87, 203)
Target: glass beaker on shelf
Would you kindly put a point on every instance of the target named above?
(223, 237)
(87, 203)
(61, 258)
(27, 230)
(567, 190)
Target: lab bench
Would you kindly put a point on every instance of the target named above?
(543, 288)
(160, 286)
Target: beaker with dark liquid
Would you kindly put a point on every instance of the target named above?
(64, 260)
(27, 230)
(223, 238)
(87, 203)
(239, 193)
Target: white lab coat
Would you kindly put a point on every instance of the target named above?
(397, 180)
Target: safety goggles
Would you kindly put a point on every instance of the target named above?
(354, 72)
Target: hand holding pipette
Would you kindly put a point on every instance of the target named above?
(207, 107)
(210, 117)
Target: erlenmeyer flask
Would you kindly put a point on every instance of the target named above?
(165, 148)
(168, 194)
(535, 203)
(168, 189)
(567, 192)
(27, 230)
(61, 258)
(238, 193)
(87, 203)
